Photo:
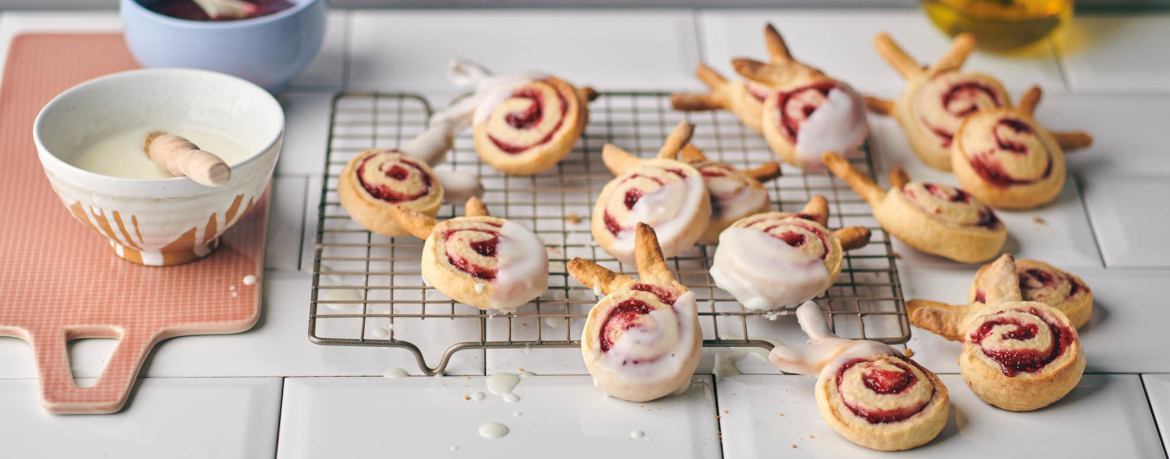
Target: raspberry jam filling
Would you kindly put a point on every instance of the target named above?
(484, 247)
(530, 118)
(713, 172)
(988, 167)
(394, 172)
(795, 239)
(187, 9)
(622, 317)
(663, 294)
(883, 382)
(959, 101)
(1016, 361)
(985, 217)
(797, 105)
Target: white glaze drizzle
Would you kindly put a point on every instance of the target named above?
(652, 209)
(395, 373)
(502, 383)
(838, 125)
(765, 273)
(459, 186)
(825, 351)
(522, 269)
(493, 430)
(489, 92)
(669, 344)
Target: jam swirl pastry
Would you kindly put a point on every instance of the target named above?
(937, 98)
(867, 391)
(776, 259)
(663, 192)
(1017, 355)
(376, 180)
(1038, 281)
(745, 98)
(524, 124)
(735, 193)
(642, 340)
(808, 113)
(479, 260)
(1006, 159)
(936, 219)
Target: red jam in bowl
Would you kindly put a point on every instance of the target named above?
(187, 9)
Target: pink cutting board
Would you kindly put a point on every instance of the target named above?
(60, 281)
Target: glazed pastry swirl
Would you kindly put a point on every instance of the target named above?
(644, 338)
(666, 195)
(944, 100)
(529, 117)
(814, 118)
(509, 259)
(471, 246)
(950, 205)
(390, 176)
(1020, 339)
(801, 232)
(733, 195)
(880, 390)
(1006, 150)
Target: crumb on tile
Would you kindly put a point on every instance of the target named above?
(897, 255)
(909, 352)
(1040, 221)
(814, 437)
(466, 397)
(724, 411)
(572, 218)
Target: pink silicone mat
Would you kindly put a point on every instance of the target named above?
(61, 281)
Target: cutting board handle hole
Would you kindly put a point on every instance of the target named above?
(88, 358)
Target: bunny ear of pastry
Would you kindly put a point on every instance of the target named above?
(691, 154)
(864, 186)
(678, 137)
(777, 49)
(595, 276)
(1000, 283)
(714, 100)
(1072, 140)
(879, 105)
(475, 208)
(618, 161)
(587, 94)
(648, 256)
(853, 237)
(1030, 100)
(765, 172)
(823, 345)
(939, 318)
(768, 74)
(817, 208)
(961, 47)
(433, 144)
(896, 56)
(899, 178)
(416, 223)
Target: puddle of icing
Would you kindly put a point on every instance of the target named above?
(502, 383)
(395, 373)
(493, 430)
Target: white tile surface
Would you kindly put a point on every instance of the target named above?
(1121, 423)
(409, 50)
(221, 418)
(1058, 233)
(1129, 130)
(1158, 391)
(1126, 216)
(306, 132)
(277, 346)
(1116, 53)
(285, 223)
(841, 44)
(327, 69)
(1124, 335)
(560, 416)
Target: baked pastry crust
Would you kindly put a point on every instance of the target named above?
(778, 259)
(637, 370)
(413, 185)
(1017, 355)
(510, 141)
(868, 392)
(936, 219)
(1008, 160)
(673, 197)
(937, 98)
(735, 193)
(479, 260)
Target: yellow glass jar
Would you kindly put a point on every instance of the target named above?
(1000, 25)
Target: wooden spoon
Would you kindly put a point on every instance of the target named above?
(179, 157)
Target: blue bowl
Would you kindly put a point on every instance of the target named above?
(268, 50)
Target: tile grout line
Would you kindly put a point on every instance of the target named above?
(1058, 53)
(1079, 182)
(304, 226)
(718, 417)
(696, 24)
(1153, 414)
(346, 49)
(279, 414)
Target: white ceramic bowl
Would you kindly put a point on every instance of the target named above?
(159, 222)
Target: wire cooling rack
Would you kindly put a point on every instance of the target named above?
(368, 289)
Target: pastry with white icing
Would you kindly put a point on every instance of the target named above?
(642, 340)
(479, 260)
(735, 193)
(934, 218)
(524, 123)
(868, 392)
(663, 192)
(776, 259)
(376, 180)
